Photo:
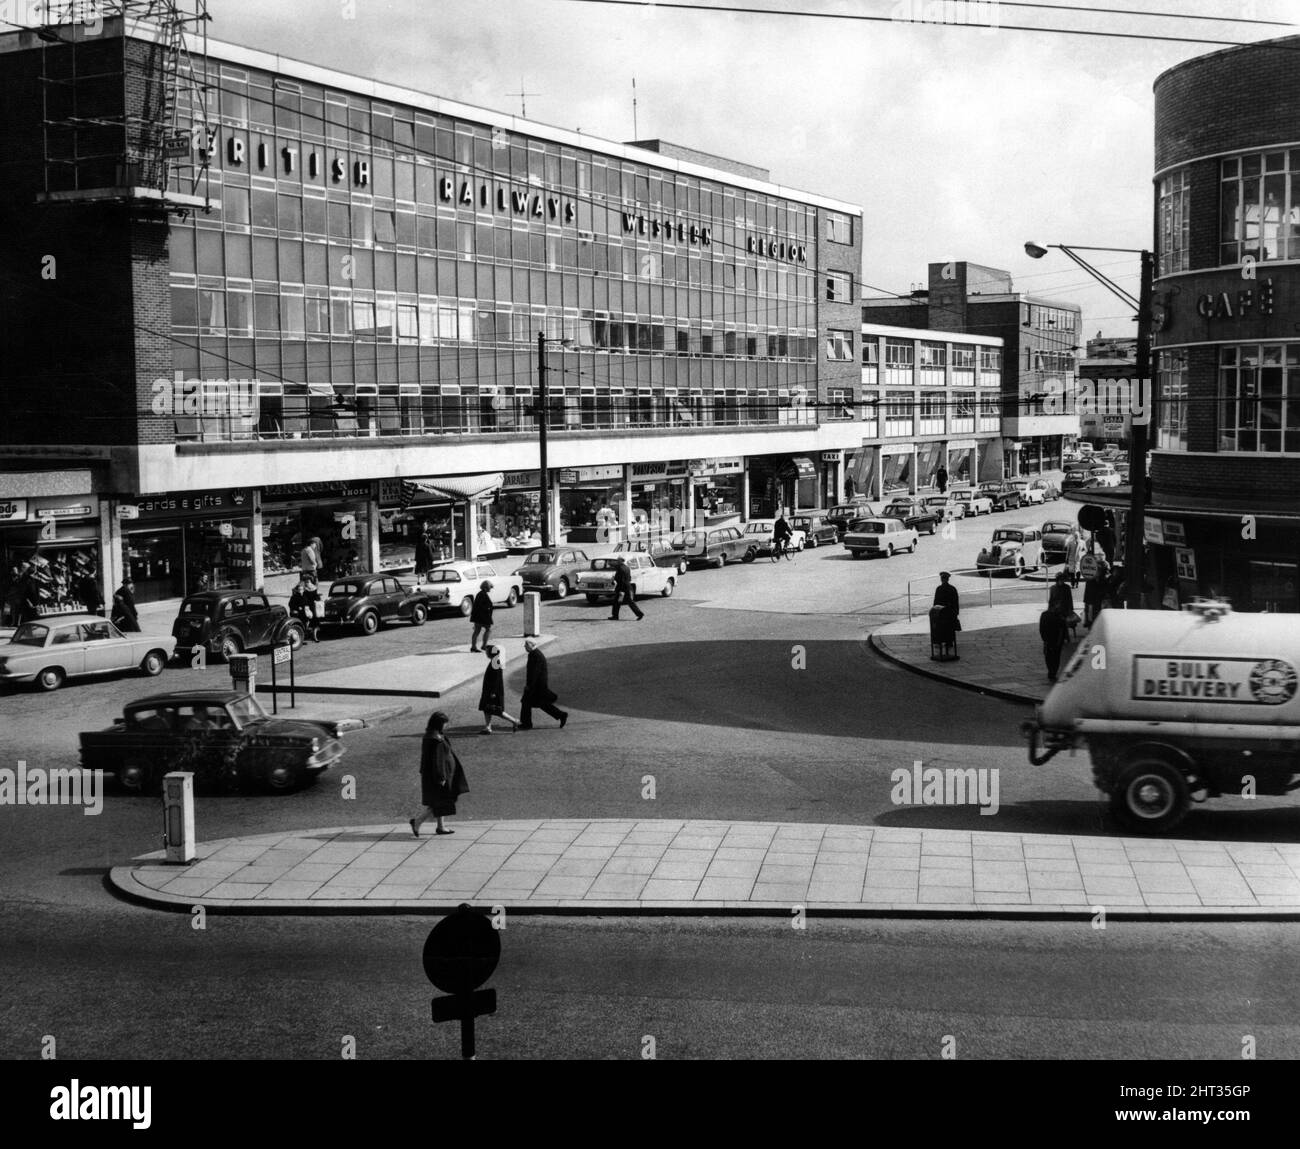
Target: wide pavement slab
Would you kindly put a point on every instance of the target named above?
(721, 867)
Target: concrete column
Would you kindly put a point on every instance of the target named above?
(689, 502)
(744, 488)
(553, 495)
(627, 500)
(372, 517)
(258, 547)
(112, 560)
(912, 475)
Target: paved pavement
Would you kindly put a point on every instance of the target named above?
(719, 868)
(998, 648)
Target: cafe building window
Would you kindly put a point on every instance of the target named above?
(1259, 391)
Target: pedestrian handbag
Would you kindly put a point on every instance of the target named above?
(1072, 619)
(459, 785)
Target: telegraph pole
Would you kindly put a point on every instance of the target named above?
(543, 416)
(1135, 539)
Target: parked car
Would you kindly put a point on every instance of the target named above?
(218, 735)
(1077, 481)
(452, 586)
(945, 507)
(50, 650)
(844, 513)
(817, 527)
(715, 546)
(760, 533)
(1055, 532)
(664, 554)
(973, 502)
(1028, 492)
(553, 569)
(369, 601)
(879, 537)
(229, 622)
(1048, 488)
(913, 512)
(1105, 476)
(1016, 548)
(648, 577)
(1121, 469)
(1004, 496)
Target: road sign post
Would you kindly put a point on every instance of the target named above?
(460, 954)
(281, 654)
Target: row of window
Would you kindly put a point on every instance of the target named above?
(1049, 318)
(903, 353)
(316, 315)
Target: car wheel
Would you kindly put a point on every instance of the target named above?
(228, 645)
(153, 663)
(419, 612)
(1151, 796)
(135, 776)
(466, 606)
(281, 777)
(889, 551)
(295, 635)
(667, 592)
(51, 678)
(368, 623)
(1020, 568)
(562, 588)
(681, 567)
(931, 530)
(811, 544)
(512, 599)
(720, 561)
(748, 556)
(912, 549)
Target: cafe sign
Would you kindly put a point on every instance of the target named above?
(726, 466)
(668, 469)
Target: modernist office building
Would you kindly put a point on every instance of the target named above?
(930, 399)
(315, 309)
(1039, 340)
(1226, 463)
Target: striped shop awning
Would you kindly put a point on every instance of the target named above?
(461, 486)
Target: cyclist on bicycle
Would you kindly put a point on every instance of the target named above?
(781, 536)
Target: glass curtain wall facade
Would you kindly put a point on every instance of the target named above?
(380, 270)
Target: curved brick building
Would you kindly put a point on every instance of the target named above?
(1225, 468)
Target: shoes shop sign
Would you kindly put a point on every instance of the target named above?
(37, 510)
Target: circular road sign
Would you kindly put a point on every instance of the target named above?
(461, 951)
(1092, 517)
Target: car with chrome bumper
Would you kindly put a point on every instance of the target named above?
(50, 650)
(367, 602)
(1017, 548)
(553, 570)
(599, 583)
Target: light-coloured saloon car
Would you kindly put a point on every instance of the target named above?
(647, 577)
(51, 650)
(452, 586)
(879, 537)
(1017, 548)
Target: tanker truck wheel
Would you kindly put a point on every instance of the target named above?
(1150, 796)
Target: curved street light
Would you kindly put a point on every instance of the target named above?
(1135, 536)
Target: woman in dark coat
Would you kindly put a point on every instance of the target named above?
(125, 617)
(493, 699)
(442, 778)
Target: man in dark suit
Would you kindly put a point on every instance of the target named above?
(480, 615)
(537, 689)
(623, 591)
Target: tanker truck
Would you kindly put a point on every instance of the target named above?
(1176, 707)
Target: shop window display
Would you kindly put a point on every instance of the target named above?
(343, 536)
(399, 529)
(37, 580)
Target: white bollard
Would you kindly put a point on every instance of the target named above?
(178, 816)
(532, 614)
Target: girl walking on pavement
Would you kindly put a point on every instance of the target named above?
(492, 701)
(442, 778)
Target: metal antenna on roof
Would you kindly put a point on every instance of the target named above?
(523, 104)
(635, 134)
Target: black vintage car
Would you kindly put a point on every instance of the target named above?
(228, 622)
(223, 737)
(1005, 496)
(368, 601)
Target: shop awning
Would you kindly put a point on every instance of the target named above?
(461, 486)
(800, 467)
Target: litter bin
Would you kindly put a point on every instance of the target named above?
(943, 634)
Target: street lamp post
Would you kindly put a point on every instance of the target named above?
(543, 417)
(1135, 538)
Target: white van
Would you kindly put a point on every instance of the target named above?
(1178, 706)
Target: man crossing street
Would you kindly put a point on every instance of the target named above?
(623, 591)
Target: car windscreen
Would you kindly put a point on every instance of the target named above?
(30, 634)
(346, 589)
(1007, 537)
(246, 710)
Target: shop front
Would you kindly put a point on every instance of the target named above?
(189, 541)
(862, 473)
(514, 512)
(897, 469)
(719, 490)
(50, 556)
(831, 483)
(336, 513)
(961, 462)
(929, 458)
(659, 498)
(454, 510)
(592, 504)
(775, 482)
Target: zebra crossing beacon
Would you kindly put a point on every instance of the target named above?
(1175, 707)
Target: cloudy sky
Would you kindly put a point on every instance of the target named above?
(960, 142)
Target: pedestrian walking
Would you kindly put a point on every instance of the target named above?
(1073, 552)
(125, 616)
(312, 558)
(1052, 630)
(623, 591)
(442, 777)
(1095, 590)
(480, 615)
(424, 556)
(537, 689)
(781, 536)
(492, 699)
(1061, 599)
(941, 480)
(88, 590)
(302, 605)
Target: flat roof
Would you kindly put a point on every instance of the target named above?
(240, 55)
(931, 335)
